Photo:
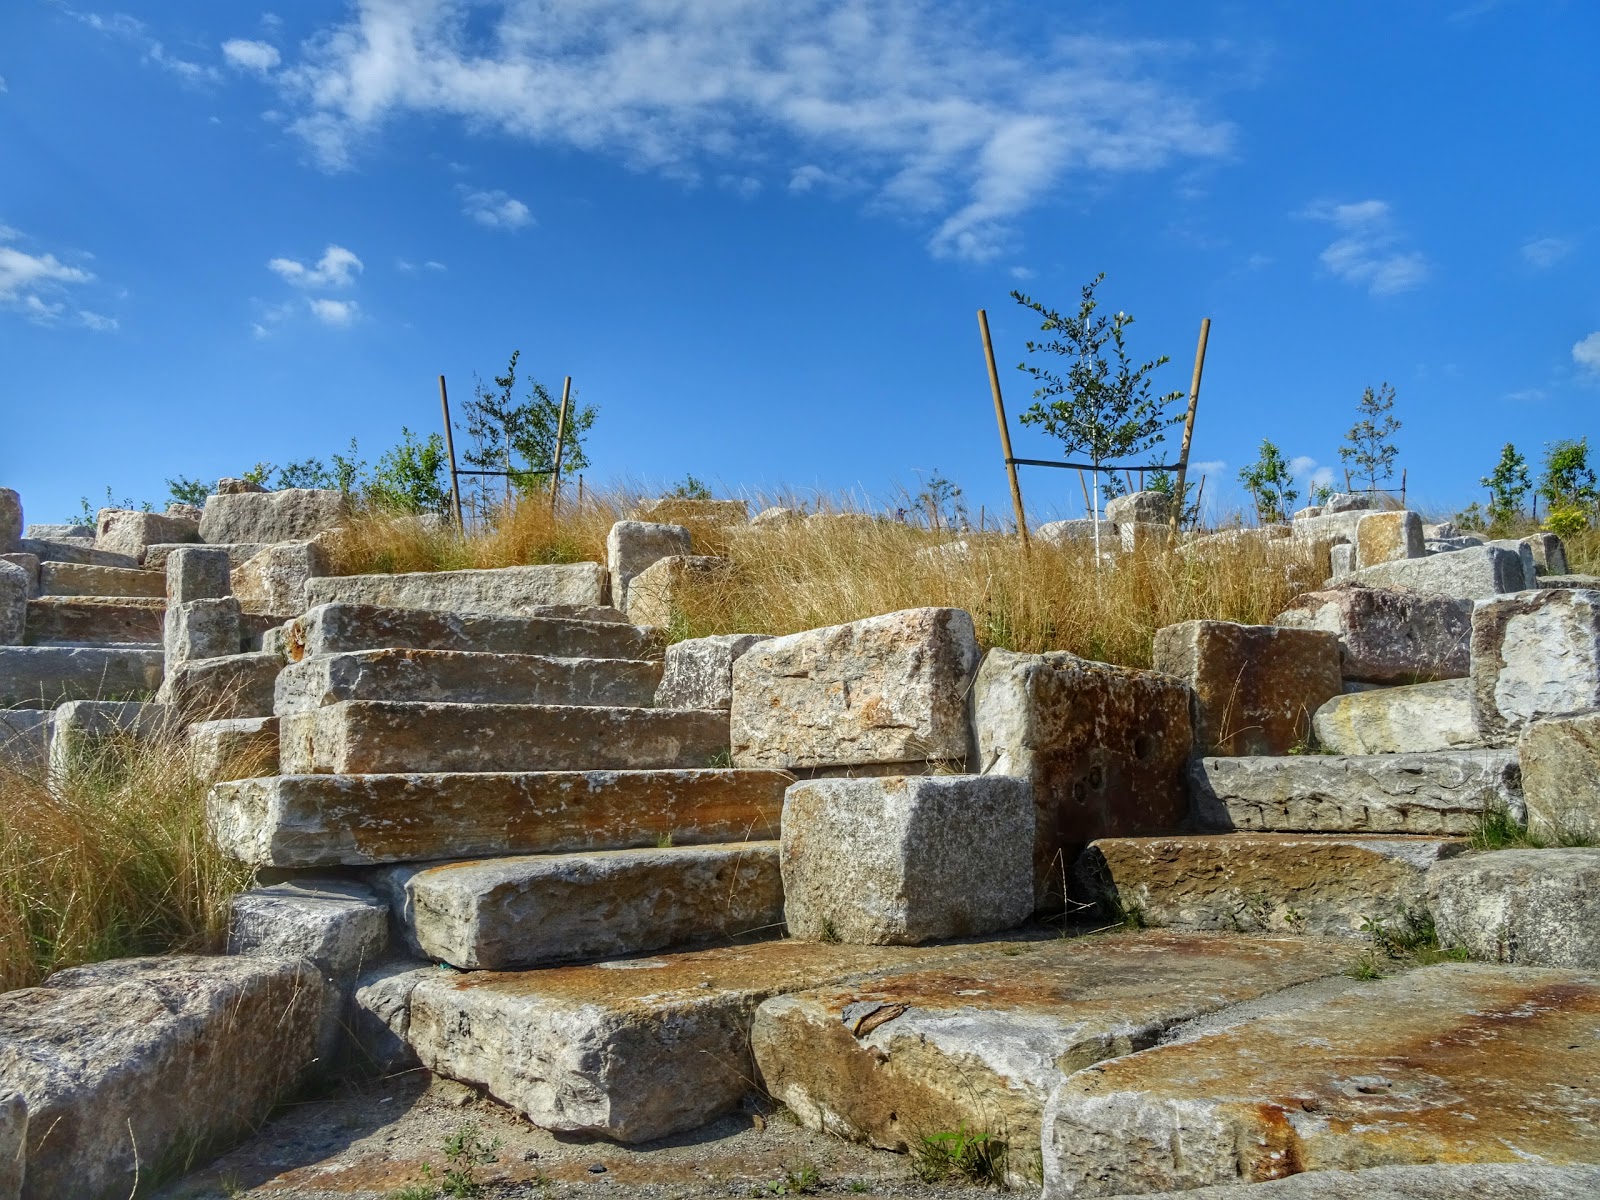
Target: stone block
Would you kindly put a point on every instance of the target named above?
(187, 512)
(1389, 635)
(1140, 508)
(57, 531)
(1414, 719)
(80, 579)
(1105, 750)
(1341, 561)
(81, 727)
(222, 688)
(237, 748)
(339, 926)
(1535, 654)
(777, 516)
(86, 620)
(1465, 574)
(137, 1061)
(1330, 527)
(15, 588)
(273, 582)
(1447, 792)
(1135, 536)
(334, 628)
(290, 515)
(1591, 582)
(888, 689)
(197, 573)
(10, 519)
(1383, 537)
(380, 1018)
(1434, 1181)
(123, 532)
(1255, 686)
(1532, 908)
(239, 553)
(1064, 533)
(200, 629)
(1524, 551)
(656, 594)
(699, 672)
(28, 563)
(44, 675)
(1549, 553)
(75, 551)
(676, 510)
(502, 591)
(901, 860)
(1561, 777)
(13, 1144)
(228, 486)
(1342, 502)
(25, 739)
(631, 546)
(1456, 1063)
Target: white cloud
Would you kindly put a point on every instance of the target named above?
(1209, 467)
(340, 314)
(336, 268)
(1369, 253)
(1526, 396)
(98, 322)
(495, 210)
(964, 134)
(3, 88)
(431, 265)
(1586, 353)
(1022, 273)
(746, 187)
(1546, 252)
(1305, 468)
(38, 285)
(133, 31)
(260, 57)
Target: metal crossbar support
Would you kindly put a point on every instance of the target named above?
(1040, 462)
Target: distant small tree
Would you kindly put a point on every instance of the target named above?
(1568, 484)
(1472, 518)
(940, 499)
(1271, 484)
(1507, 484)
(410, 477)
(184, 490)
(505, 429)
(1368, 450)
(689, 488)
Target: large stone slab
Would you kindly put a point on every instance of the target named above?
(290, 515)
(906, 859)
(1383, 537)
(699, 671)
(1064, 533)
(678, 510)
(57, 530)
(1255, 686)
(1332, 527)
(331, 628)
(90, 619)
(631, 546)
(1435, 1181)
(41, 676)
(656, 594)
(1389, 635)
(196, 573)
(1317, 883)
(11, 525)
(157, 557)
(356, 737)
(448, 676)
(980, 1044)
(29, 564)
(131, 1063)
(339, 926)
(501, 913)
(121, 531)
(74, 551)
(223, 688)
(1104, 748)
(1470, 574)
(1538, 908)
(1444, 793)
(332, 820)
(201, 629)
(80, 729)
(1138, 508)
(79, 579)
(504, 591)
(1561, 777)
(1534, 655)
(888, 689)
(1399, 720)
(15, 590)
(1451, 1063)
(235, 748)
(273, 581)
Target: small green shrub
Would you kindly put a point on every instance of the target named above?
(972, 1157)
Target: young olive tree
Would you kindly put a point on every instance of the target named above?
(1368, 450)
(1507, 484)
(518, 435)
(1271, 484)
(1568, 484)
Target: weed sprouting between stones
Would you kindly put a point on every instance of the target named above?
(960, 1154)
(465, 1151)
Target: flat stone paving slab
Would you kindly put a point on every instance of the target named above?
(980, 1044)
(1455, 1063)
(357, 737)
(1436, 1181)
(525, 911)
(448, 676)
(506, 591)
(80, 579)
(45, 675)
(332, 628)
(57, 619)
(364, 820)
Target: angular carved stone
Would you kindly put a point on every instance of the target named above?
(1389, 635)
(1399, 720)
(1561, 777)
(1533, 908)
(289, 515)
(502, 591)
(1534, 655)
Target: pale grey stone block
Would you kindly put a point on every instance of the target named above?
(503, 591)
(699, 672)
(25, 738)
(55, 531)
(273, 582)
(631, 546)
(1342, 560)
(197, 573)
(656, 594)
(200, 629)
(1472, 574)
(1535, 908)
(121, 531)
(79, 726)
(338, 925)
(1399, 720)
(1535, 654)
(1142, 508)
(1561, 777)
(380, 1017)
(43, 675)
(28, 563)
(222, 687)
(15, 587)
(234, 748)
(777, 515)
(290, 515)
(75, 551)
(1059, 533)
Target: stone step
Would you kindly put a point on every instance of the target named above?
(335, 628)
(980, 1045)
(79, 579)
(503, 591)
(361, 737)
(44, 676)
(74, 550)
(363, 820)
(1456, 1063)
(93, 620)
(1416, 718)
(528, 911)
(1318, 883)
(1446, 792)
(457, 677)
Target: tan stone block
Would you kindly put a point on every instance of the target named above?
(502, 591)
(287, 515)
(1399, 720)
(236, 748)
(81, 579)
(1388, 537)
(94, 619)
(273, 580)
(1561, 777)
(120, 531)
(655, 596)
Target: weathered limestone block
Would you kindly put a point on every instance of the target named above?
(1063, 533)
(1389, 635)
(334, 628)
(1507, 1075)
(94, 619)
(201, 629)
(187, 512)
(980, 1044)
(25, 738)
(1570, 581)
(337, 925)
(29, 563)
(197, 573)
(699, 672)
(900, 860)
(1465, 574)
(123, 532)
(1561, 777)
(1447, 792)
(777, 516)
(1533, 908)
(79, 728)
(290, 515)
(1104, 748)
(74, 550)
(1264, 536)
(44, 675)
(136, 1061)
(887, 689)
(1255, 686)
(239, 553)
(502, 591)
(273, 582)
(13, 1144)
(222, 688)
(1330, 527)
(1534, 655)
(675, 510)
(1388, 537)
(1343, 502)
(238, 748)
(80, 579)
(1435, 1181)
(1523, 549)
(1341, 562)
(1399, 720)
(228, 486)
(655, 596)
(1549, 553)
(1141, 508)
(10, 520)
(631, 546)
(14, 591)
(1264, 882)
(52, 532)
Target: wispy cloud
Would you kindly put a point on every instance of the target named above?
(1525, 396)
(1369, 252)
(247, 55)
(151, 50)
(1546, 252)
(1309, 471)
(38, 285)
(1586, 353)
(955, 130)
(340, 314)
(337, 267)
(495, 210)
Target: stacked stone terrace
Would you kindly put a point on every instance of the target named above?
(506, 835)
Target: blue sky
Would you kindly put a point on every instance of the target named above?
(757, 233)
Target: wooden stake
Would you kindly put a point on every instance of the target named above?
(1084, 484)
(1199, 494)
(450, 445)
(1188, 423)
(561, 438)
(1402, 487)
(1005, 433)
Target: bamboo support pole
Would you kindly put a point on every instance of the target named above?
(1005, 433)
(561, 440)
(450, 445)
(1188, 424)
